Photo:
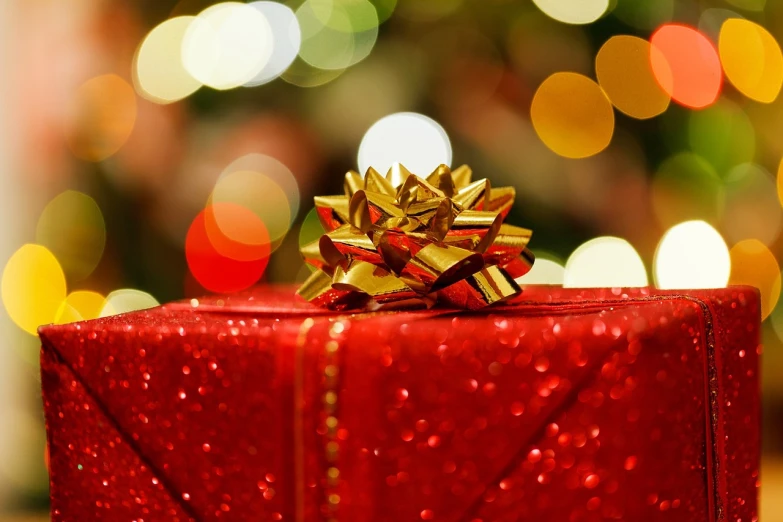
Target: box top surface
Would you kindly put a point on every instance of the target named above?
(282, 299)
(281, 302)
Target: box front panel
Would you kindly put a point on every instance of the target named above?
(568, 416)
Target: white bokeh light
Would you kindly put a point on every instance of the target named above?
(158, 70)
(544, 272)
(227, 45)
(692, 255)
(127, 300)
(608, 262)
(287, 38)
(573, 11)
(411, 139)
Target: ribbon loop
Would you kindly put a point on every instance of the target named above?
(403, 241)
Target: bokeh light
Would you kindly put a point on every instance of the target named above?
(127, 300)
(274, 170)
(687, 187)
(572, 115)
(101, 118)
(752, 59)
(236, 232)
(287, 40)
(624, 72)
(411, 139)
(213, 270)
(752, 207)
(686, 65)
(609, 262)
(302, 74)
(722, 134)
(159, 74)
(33, 287)
(80, 305)
(573, 11)
(257, 192)
(691, 255)
(544, 272)
(72, 228)
(754, 265)
(227, 45)
(337, 33)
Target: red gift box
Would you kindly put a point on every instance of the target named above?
(566, 405)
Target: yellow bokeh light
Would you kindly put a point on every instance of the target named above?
(127, 300)
(573, 11)
(692, 255)
(33, 287)
(623, 70)
(544, 272)
(159, 74)
(572, 115)
(751, 58)
(753, 264)
(608, 262)
(101, 118)
(81, 305)
(72, 228)
(257, 192)
(227, 45)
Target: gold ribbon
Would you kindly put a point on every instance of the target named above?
(439, 239)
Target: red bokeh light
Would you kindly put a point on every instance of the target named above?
(686, 64)
(227, 264)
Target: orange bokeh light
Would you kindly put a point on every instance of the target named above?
(686, 65)
(220, 263)
(236, 232)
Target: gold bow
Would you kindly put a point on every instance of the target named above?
(402, 241)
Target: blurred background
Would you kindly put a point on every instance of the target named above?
(159, 149)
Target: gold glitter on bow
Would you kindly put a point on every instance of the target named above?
(399, 241)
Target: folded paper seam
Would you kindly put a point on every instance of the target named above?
(402, 241)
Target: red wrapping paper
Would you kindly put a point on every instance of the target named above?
(566, 405)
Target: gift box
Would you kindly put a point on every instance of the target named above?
(562, 405)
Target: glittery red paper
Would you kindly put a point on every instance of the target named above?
(569, 405)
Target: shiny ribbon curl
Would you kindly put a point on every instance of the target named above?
(401, 241)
